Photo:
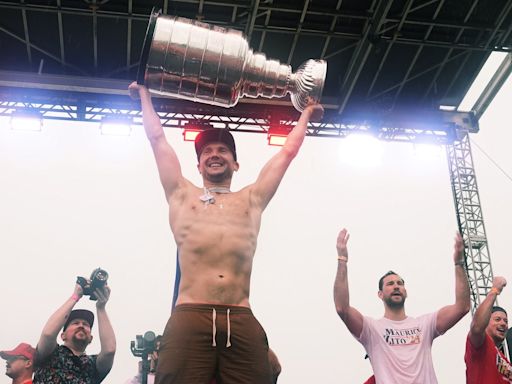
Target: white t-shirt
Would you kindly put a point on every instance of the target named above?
(401, 351)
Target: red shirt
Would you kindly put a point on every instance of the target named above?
(486, 364)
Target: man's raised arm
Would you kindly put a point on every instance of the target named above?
(352, 318)
(48, 340)
(167, 162)
(483, 312)
(448, 316)
(105, 358)
(272, 173)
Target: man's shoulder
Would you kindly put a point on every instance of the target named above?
(424, 317)
(63, 351)
(372, 322)
(430, 317)
(486, 343)
(407, 320)
(184, 188)
(245, 190)
(185, 185)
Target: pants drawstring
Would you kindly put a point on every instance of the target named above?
(228, 343)
(214, 328)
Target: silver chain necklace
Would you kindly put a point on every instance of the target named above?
(207, 198)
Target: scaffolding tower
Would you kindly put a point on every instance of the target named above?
(470, 218)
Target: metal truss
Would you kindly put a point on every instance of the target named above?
(469, 217)
(433, 126)
(386, 52)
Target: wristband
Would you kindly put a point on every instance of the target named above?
(460, 262)
(495, 291)
(75, 297)
(343, 258)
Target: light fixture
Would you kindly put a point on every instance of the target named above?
(116, 126)
(277, 134)
(26, 119)
(190, 135)
(194, 128)
(361, 150)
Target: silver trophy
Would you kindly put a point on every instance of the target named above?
(196, 61)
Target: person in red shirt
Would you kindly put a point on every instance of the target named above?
(485, 362)
(19, 365)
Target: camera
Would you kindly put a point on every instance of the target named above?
(98, 279)
(144, 345)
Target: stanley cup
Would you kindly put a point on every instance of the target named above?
(196, 61)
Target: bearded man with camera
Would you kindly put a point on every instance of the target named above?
(68, 363)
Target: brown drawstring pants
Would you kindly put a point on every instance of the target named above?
(202, 342)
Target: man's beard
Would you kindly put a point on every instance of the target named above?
(14, 374)
(81, 343)
(395, 304)
(218, 177)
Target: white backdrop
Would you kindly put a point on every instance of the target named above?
(72, 200)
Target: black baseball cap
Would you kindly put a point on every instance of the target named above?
(82, 314)
(498, 309)
(215, 135)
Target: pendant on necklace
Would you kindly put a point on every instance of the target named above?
(207, 198)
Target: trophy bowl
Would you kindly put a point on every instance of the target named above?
(196, 61)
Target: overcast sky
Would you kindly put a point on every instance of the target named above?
(72, 200)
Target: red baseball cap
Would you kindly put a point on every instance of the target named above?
(23, 349)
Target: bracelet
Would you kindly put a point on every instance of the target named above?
(343, 258)
(495, 291)
(75, 297)
(460, 262)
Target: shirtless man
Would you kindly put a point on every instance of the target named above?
(212, 332)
